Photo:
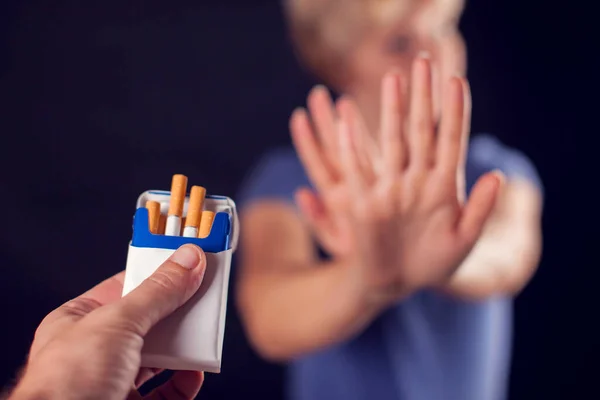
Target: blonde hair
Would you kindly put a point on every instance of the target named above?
(324, 31)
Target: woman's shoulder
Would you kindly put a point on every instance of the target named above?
(487, 153)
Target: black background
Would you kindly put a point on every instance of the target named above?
(100, 101)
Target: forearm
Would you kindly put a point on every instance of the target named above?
(496, 266)
(292, 311)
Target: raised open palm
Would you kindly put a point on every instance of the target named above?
(388, 202)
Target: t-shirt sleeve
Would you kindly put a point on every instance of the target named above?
(487, 153)
(277, 176)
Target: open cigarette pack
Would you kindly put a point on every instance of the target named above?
(192, 337)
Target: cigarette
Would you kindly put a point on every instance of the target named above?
(153, 215)
(194, 213)
(162, 223)
(178, 189)
(206, 223)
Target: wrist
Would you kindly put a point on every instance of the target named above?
(378, 291)
(371, 297)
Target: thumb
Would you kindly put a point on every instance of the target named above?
(312, 208)
(479, 206)
(167, 289)
(315, 214)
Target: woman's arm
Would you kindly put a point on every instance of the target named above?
(507, 255)
(379, 214)
(290, 302)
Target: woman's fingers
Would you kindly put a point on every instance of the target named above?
(311, 208)
(449, 143)
(421, 132)
(316, 216)
(479, 207)
(323, 115)
(391, 126)
(310, 152)
(352, 172)
(364, 143)
(466, 132)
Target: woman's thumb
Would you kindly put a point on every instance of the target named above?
(167, 289)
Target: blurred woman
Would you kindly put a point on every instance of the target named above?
(382, 308)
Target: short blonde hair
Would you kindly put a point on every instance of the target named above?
(324, 31)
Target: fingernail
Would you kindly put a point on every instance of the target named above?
(500, 176)
(297, 111)
(187, 256)
(320, 89)
(424, 55)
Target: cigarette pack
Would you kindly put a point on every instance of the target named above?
(192, 337)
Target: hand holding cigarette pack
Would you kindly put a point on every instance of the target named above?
(192, 337)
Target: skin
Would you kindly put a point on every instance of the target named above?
(90, 347)
(424, 26)
(291, 302)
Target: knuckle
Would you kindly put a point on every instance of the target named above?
(165, 279)
(39, 331)
(80, 306)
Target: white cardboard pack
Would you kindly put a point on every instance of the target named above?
(192, 337)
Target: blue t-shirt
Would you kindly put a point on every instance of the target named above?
(430, 346)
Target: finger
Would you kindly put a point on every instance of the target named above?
(134, 395)
(145, 374)
(168, 288)
(391, 125)
(184, 385)
(311, 207)
(309, 151)
(107, 291)
(366, 145)
(466, 131)
(349, 156)
(449, 143)
(363, 144)
(420, 135)
(479, 207)
(322, 111)
(313, 210)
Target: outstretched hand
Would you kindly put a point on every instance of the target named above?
(392, 203)
(90, 347)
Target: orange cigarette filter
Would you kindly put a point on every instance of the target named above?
(206, 223)
(195, 206)
(153, 216)
(162, 224)
(178, 189)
